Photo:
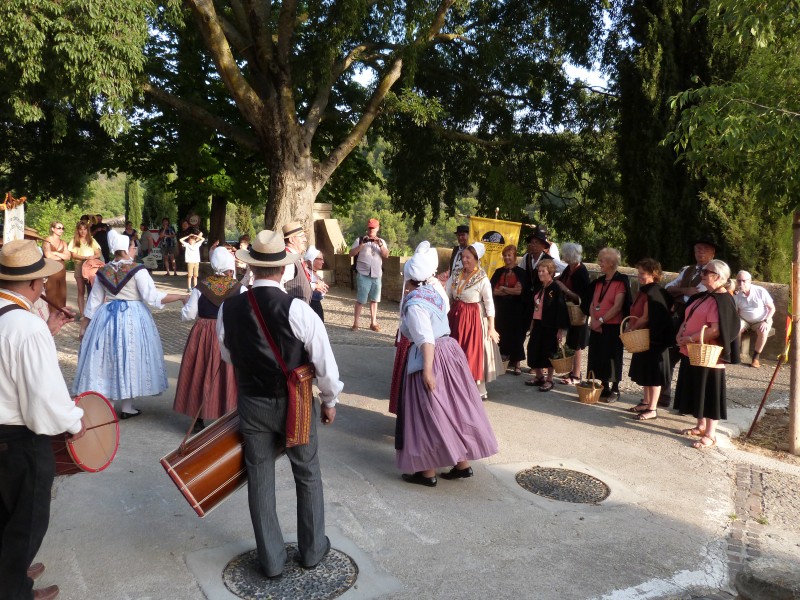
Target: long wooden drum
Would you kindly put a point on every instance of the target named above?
(210, 466)
(97, 448)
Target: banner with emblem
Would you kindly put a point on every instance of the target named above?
(14, 221)
(495, 235)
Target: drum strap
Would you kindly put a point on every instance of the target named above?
(9, 308)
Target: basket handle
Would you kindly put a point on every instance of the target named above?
(622, 325)
(702, 331)
(590, 379)
(563, 350)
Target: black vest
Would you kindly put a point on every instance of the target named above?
(299, 286)
(257, 371)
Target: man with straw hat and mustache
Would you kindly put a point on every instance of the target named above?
(263, 398)
(296, 279)
(34, 404)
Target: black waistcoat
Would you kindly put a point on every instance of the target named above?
(257, 371)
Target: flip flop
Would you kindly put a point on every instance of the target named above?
(643, 416)
(701, 445)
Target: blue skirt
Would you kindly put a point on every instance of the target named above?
(121, 355)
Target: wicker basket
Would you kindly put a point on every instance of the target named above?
(589, 390)
(576, 316)
(563, 364)
(634, 341)
(703, 355)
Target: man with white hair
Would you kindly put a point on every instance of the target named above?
(756, 309)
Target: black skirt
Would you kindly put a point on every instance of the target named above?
(578, 336)
(701, 392)
(542, 343)
(509, 321)
(605, 354)
(650, 368)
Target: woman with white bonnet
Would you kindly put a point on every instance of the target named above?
(204, 379)
(440, 418)
(121, 355)
(319, 288)
(472, 316)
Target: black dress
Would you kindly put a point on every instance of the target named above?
(509, 319)
(651, 368)
(577, 281)
(544, 332)
(605, 347)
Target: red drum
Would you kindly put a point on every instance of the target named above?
(210, 466)
(97, 448)
(90, 268)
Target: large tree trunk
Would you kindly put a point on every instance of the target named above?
(216, 226)
(291, 193)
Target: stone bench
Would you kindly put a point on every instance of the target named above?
(746, 340)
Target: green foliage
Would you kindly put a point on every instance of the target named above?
(133, 193)
(40, 213)
(159, 202)
(244, 221)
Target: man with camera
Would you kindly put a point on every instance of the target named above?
(369, 250)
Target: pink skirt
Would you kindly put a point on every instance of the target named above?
(204, 376)
(465, 328)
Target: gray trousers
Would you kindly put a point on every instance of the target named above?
(263, 422)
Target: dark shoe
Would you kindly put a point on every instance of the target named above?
(457, 473)
(35, 570)
(664, 401)
(124, 415)
(610, 397)
(47, 593)
(324, 554)
(420, 479)
(646, 415)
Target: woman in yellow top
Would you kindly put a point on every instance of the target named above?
(81, 247)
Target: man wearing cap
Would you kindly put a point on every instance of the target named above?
(370, 251)
(756, 309)
(263, 399)
(537, 252)
(462, 237)
(34, 404)
(296, 279)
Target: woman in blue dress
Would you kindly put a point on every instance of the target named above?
(441, 420)
(121, 356)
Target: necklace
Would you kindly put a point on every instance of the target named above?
(603, 291)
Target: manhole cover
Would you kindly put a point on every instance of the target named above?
(563, 484)
(330, 579)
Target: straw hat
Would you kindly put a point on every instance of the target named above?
(266, 250)
(21, 260)
(292, 228)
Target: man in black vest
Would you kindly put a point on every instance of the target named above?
(263, 399)
(462, 237)
(296, 279)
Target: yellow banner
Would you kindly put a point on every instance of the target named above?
(495, 235)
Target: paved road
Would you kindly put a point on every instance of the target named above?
(669, 529)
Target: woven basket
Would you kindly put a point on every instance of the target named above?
(703, 355)
(563, 364)
(589, 390)
(634, 341)
(576, 316)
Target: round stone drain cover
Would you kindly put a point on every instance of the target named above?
(330, 579)
(563, 484)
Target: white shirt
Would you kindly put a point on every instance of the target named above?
(189, 310)
(754, 307)
(289, 271)
(560, 266)
(674, 282)
(309, 329)
(33, 392)
(144, 290)
(192, 251)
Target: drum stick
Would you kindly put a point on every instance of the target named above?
(58, 308)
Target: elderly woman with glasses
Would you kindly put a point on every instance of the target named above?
(701, 390)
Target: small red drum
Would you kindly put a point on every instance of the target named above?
(210, 466)
(90, 268)
(97, 448)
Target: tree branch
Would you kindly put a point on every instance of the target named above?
(258, 15)
(247, 101)
(198, 114)
(769, 108)
(286, 23)
(460, 136)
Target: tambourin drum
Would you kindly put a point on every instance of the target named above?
(95, 450)
(210, 466)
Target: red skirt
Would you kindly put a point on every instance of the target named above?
(204, 375)
(466, 329)
(398, 372)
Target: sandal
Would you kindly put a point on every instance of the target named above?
(517, 371)
(640, 408)
(570, 380)
(546, 386)
(645, 415)
(702, 445)
(694, 431)
(537, 382)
